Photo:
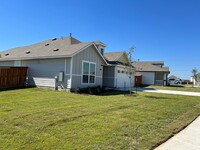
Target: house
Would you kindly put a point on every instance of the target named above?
(173, 77)
(60, 63)
(119, 73)
(197, 81)
(151, 72)
(174, 80)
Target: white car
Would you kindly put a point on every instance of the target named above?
(174, 81)
(178, 81)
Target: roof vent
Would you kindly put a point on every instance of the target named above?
(55, 50)
(6, 54)
(27, 52)
(54, 39)
(47, 44)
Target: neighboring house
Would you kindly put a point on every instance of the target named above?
(151, 73)
(63, 63)
(119, 73)
(173, 77)
(174, 80)
(197, 81)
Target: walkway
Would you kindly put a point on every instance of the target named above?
(187, 139)
(169, 92)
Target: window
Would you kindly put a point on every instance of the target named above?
(102, 51)
(118, 71)
(89, 72)
(17, 63)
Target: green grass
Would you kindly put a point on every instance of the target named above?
(44, 119)
(188, 88)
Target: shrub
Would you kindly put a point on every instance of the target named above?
(78, 90)
(91, 90)
(98, 90)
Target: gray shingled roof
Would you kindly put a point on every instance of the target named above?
(49, 48)
(113, 56)
(150, 66)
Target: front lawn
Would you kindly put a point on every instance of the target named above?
(187, 88)
(44, 119)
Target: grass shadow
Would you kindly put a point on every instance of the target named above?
(115, 92)
(18, 88)
(177, 86)
(158, 97)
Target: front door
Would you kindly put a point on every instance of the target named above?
(138, 81)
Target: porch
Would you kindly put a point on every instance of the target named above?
(161, 78)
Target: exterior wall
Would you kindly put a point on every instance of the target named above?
(76, 82)
(6, 63)
(160, 66)
(43, 72)
(109, 76)
(148, 78)
(90, 54)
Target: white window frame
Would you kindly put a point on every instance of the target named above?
(84, 61)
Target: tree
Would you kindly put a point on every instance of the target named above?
(129, 67)
(194, 75)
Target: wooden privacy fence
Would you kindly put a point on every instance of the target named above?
(13, 77)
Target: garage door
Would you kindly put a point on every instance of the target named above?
(123, 80)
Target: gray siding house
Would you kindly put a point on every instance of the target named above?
(119, 73)
(63, 63)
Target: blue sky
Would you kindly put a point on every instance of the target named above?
(167, 30)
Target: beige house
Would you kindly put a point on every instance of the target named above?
(151, 72)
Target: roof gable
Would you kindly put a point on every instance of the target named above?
(92, 44)
(113, 56)
(116, 56)
(123, 58)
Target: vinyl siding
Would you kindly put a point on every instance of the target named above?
(42, 72)
(109, 76)
(6, 63)
(67, 65)
(91, 55)
(42, 82)
(76, 82)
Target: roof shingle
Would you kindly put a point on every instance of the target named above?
(49, 48)
(113, 56)
(150, 66)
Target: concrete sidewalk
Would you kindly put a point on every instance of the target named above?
(187, 139)
(169, 92)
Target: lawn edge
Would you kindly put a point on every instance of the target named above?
(174, 133)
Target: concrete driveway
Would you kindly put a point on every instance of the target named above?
(169, 92)
(187, 139)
